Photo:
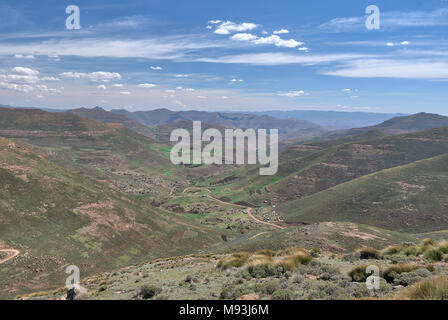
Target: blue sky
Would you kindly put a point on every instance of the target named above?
(226, 55)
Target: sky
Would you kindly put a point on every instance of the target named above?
(226, 55)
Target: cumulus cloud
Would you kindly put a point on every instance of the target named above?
(102, 87)
(117, 85)
(281, 31)
(274, 39)
(126, 93)
(93, 76)
(146, 85)
(229, 27)
(236, 80)
(214, 21)
(155, 68)
(292, 93)
(244, 37)
(23, 79)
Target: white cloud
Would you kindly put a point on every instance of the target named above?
(388, 68)
(117, 85)
(236, 80)
(214, 21)
(274, 39)
(390, 44)
(126, 93)
(146, 85)
(49, 79)
(390, 19)
(25, 71)
(281, 31)
(347, 90)
(303, 49)
(155, 68)
(277, 58)
(229, 27)
(93, 76)
(102, 87)
(292, 93)
(21, 56)
(181, 75)
(244, 37)
(180, 88)
(405, 43)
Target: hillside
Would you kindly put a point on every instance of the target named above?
(118, 156)
(411, 198)
(55, 218)
(398, 125)
(310, 168)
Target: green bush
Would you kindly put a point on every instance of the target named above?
(283, 294)
(434, 254)
(149, 291)
(236, 260)
(358, 273)
(369, 253)
(429, 289)
(395, 270)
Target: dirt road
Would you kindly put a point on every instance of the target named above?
(249, 213)
(13, 253)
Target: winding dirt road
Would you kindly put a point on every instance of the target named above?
(249, 213)
(13, 253)
(248, 209)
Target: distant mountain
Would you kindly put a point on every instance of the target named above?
(101, 115)
(417, 122)
(288, 128)
(398, 125)
(333, 119)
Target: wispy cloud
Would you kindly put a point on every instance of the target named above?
(388, 68)
(390, 19)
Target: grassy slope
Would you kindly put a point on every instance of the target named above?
(314, 169)
(411, 198)
(56, 218)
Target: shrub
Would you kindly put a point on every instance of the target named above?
(358, 273)
(265, 252)
(430, 268)
(149, 291)
(443, 246)
(429, 289)
(427, 242)
(269, 287)
(394, 270)
(411, 251)
(291, 251)
(369, 253)
(283, 294)
(315, 252)
(434, 254)
(236, 260)
(390, 250)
